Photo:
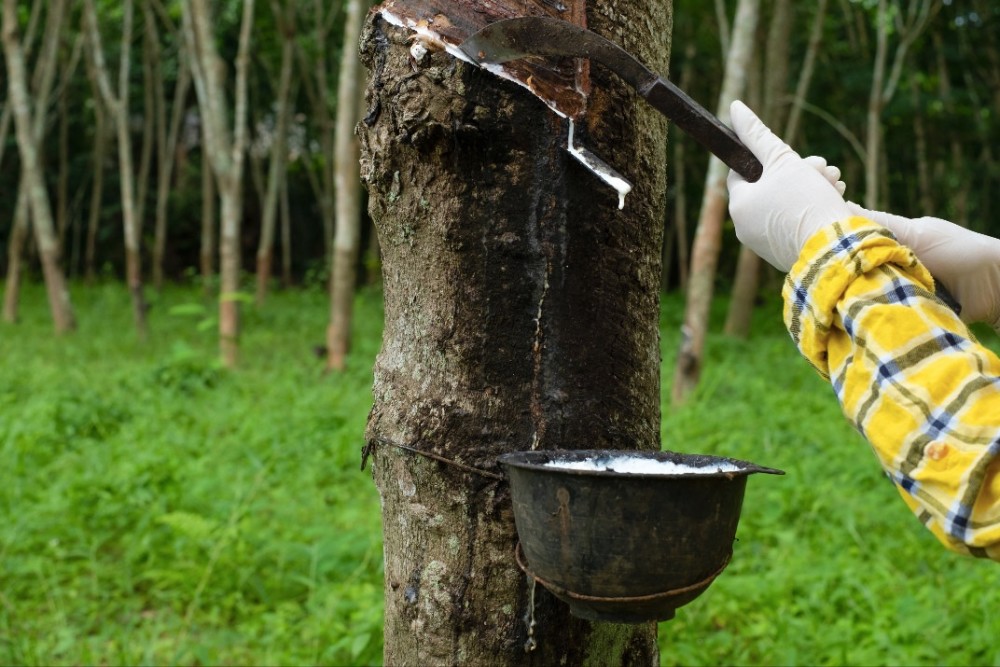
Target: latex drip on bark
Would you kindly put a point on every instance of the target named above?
(562, 85)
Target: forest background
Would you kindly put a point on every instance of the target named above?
(163, 509)
(938, 120)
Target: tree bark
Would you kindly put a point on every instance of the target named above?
(708, 236)
(806, 73)
(286, 237)
(62, 184)
(152, 121)
(316, 81)
(118, 106)
(873, 134)
(958, 198)
(679, 186)
(774, 110)
(167, 136)
(18, 233)
(29, 39)
(924, 192)
(27, 142)
(208, 215)
(347, 238)
(226, 153)
(908, 26)
(96, 194)
(521, 312)
(278, 165)
(68, 212)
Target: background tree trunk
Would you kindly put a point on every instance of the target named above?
(28, 131)
(316, 83)
(907, 25)
(226, 153)
(278, 164)
(208, 215)
(286, 237)
(347, 237)
(62, 184)
(806, 73)
(167, 135)
(118, 106)
(708, 236)
(41, 87)
(19, 231)
(497, 247)
(101, 140)
(776, 54)
(679, 232)
(152, 112)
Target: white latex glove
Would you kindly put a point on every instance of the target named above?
(775, 216)
(968, 263)
(829, 171)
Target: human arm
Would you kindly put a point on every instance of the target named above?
(861, 308)
(967, 262)
(908, 374)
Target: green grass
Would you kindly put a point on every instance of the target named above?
(155, 509)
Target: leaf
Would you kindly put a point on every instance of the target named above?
(188, 524)
(239, 297)
(207, 324)
(359, 643)
(188, 310)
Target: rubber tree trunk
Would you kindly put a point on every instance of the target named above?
(708, 236)
(208, 225)
(678, 231)
(286, 237)
(38, 198)
(316, 80)
(167, 136)
(913, 19)
(876, 102)
(62, 183)
(347, 188)
(117, 102)
(278, 159)
(18, 233)
(225, 150)
(101, 140)
(131, 209)
(775, 75)
(521, 312)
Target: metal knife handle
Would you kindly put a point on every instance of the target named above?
(706, 129)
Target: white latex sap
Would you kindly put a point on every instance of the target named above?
(636, 465)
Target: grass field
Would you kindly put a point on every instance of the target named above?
(155, 509)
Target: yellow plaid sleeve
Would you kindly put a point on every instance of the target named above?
(908, 373)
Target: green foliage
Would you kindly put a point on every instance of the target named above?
(160, 510)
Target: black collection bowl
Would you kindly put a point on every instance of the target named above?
(626, 547)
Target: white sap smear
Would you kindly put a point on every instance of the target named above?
(493, 68)
(595, 164)
(600, 168)
(635, 465)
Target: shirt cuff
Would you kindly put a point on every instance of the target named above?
(830, 261)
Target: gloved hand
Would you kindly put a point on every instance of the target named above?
(793, 199)
(829, 171)
(968, 263)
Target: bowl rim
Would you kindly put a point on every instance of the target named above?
(536, 460)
